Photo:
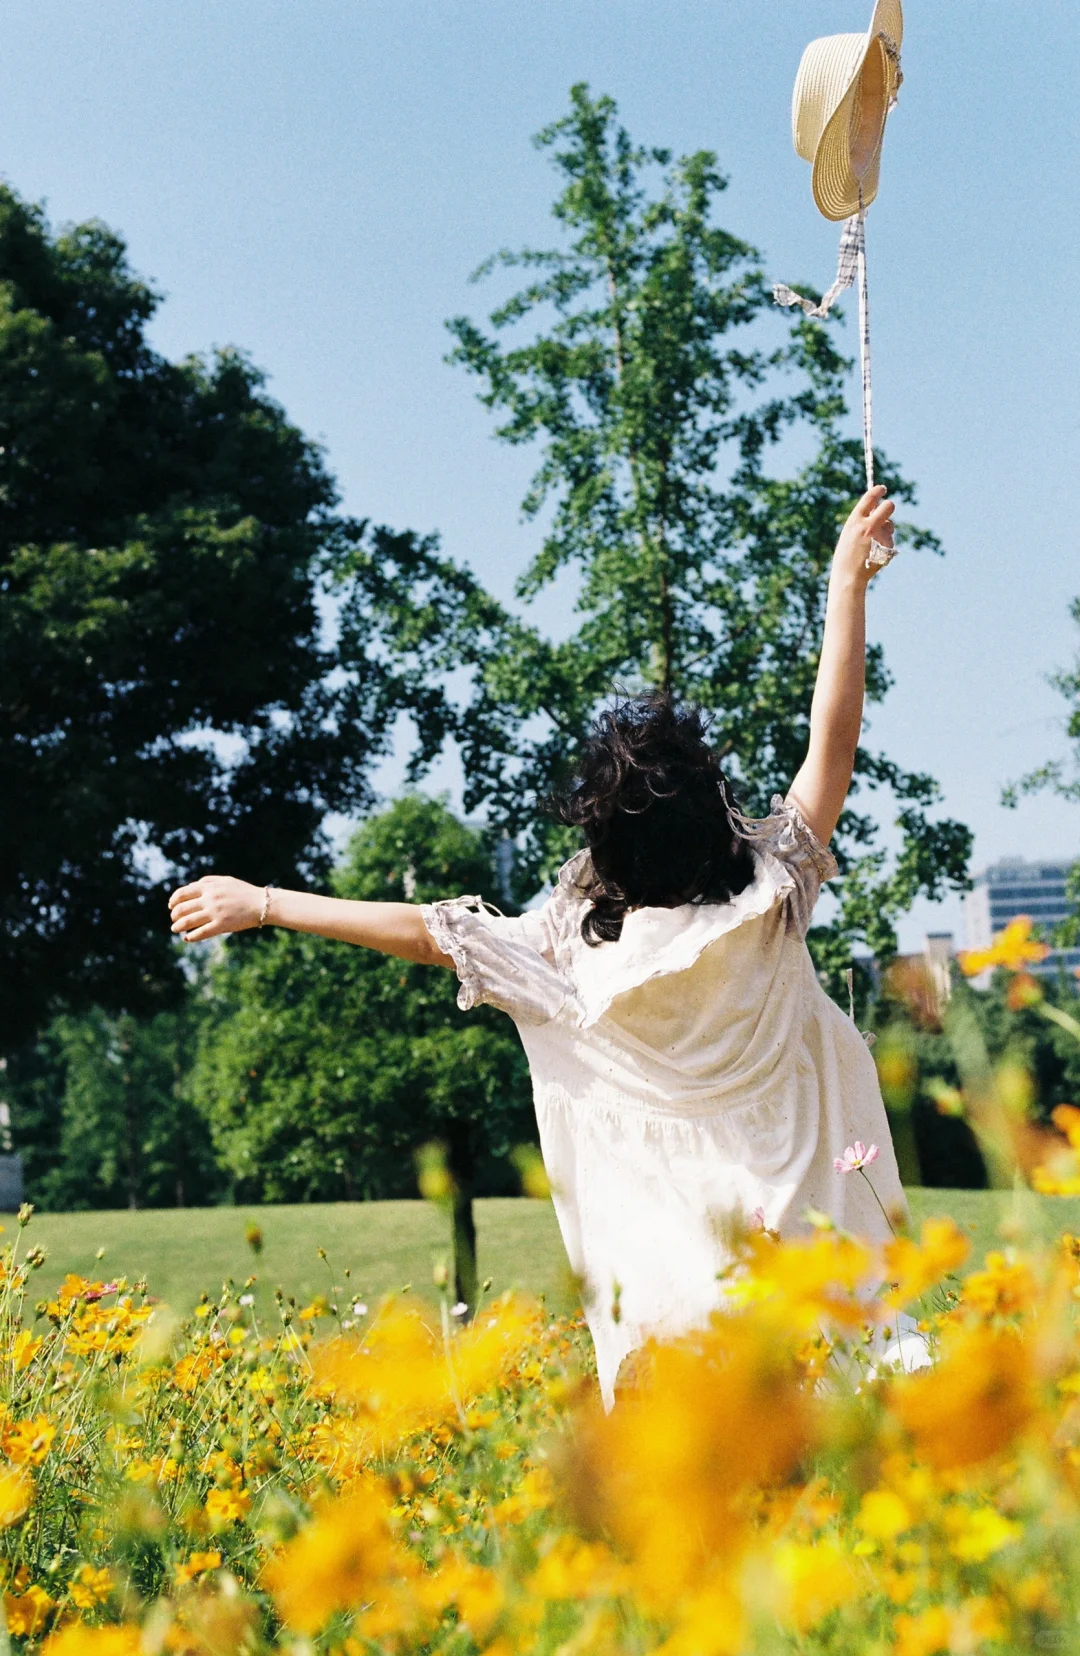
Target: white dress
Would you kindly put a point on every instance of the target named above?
(692, 1068)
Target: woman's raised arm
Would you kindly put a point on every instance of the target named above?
(824, 778)
(217, 904)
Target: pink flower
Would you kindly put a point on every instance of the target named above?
(856, 1155)
(92, 1295)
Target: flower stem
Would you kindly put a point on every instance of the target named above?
(877, 1199)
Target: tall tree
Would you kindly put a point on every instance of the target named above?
(658, 409)
(164, 691)
(324, 1068)
(102, 1116)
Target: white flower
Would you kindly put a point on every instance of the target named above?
(359, 1309)
(247, 1299)
(459, 1309)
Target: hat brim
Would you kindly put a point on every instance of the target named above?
(847, 155)
(838, 190)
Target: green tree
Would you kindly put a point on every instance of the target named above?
(1060, 776)
(165, 696)
(634, 357)
(101, 1113)
(324, 1068)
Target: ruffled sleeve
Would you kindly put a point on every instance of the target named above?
(500, 961)
(786, 835)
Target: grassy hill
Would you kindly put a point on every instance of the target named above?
(388, 1245)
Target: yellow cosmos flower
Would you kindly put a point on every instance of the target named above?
(883, 1515)
(16, 1495)
(711, 1622)
(26, 1612)
(973, 1403)
(24, 1348)
(475, 1592)
(1002, 1288)
(399, 1378)
(347, 1556)
(573, 1569)
(1014, 948)
(90, 1586)
(226, 1506)
(804, 1283)
(812, 1578)
(76, 1639)
(671, 1469)
(27, 1442)
(942, 1628)
(975, 1534)
(913, 1268)
(197, 1564)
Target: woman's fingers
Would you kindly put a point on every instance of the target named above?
(184, 913)
(185, 924)
(879, 522)
(185, 893)
(201, 933)
(871, 499)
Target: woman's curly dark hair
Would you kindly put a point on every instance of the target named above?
(654, 805)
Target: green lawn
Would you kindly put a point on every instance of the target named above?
(387, 1245)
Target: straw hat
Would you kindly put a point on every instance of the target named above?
(845, 87)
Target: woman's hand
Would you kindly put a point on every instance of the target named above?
(870, 520)
(214, 905)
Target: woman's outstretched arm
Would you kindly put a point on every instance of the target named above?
(824, 778)
(217, 904)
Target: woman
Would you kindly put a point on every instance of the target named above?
(688, 1068)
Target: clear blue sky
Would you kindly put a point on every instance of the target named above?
(314, 181)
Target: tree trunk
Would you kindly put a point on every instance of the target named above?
(461, 1162)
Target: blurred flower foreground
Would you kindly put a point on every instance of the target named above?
(386, 1480)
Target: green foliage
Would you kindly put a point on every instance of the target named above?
(938, 1066)
(1059, 776)
(323, 1067)
(657, 411)
(102, 1116)
(163, 687)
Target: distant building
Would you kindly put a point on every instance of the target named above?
(1012, 887)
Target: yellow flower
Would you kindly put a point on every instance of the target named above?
(533, 1493)
(399, 1378)
(76, 1639)
(477, 1594)
(27, 1442)
(812, 1578)
(1002, 1288)
(1012, 948)
(196, 1565)
(883, 1515)
(26, 1612)
(711, 1622)
(925, 1633)
(941, 1628)
(573, 1569)
(226, 1506)
(90, 1586)
(672, 1468)
(973, 1403)
(345, 1557)
(24, 1349)
(16, 1495)
(976, 1534)
(915, 1267)
(806, 1282)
